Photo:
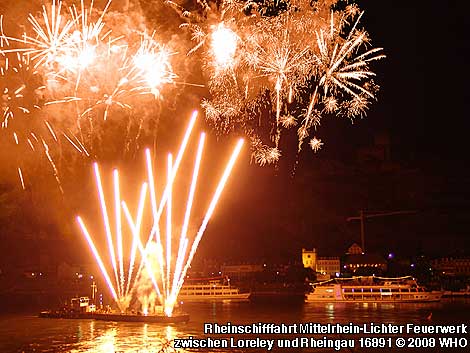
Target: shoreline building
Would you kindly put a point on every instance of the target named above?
(325, 266)
(357, 262)
(452, 266)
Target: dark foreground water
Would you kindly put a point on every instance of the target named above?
(27, 333)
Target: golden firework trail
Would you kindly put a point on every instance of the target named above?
(173, 253)
(97, 256)
(20, 173)
(53, 165)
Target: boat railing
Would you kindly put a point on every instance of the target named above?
(364, 280)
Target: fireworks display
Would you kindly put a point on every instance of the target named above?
(303, 60)
(268, 67)
(169, 269)
(71, 75)
(70, 71)
(106, 86)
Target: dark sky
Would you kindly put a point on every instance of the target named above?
(424, 98)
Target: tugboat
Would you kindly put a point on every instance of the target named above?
(78, 308)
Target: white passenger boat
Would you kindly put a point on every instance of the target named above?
(371, 289)
(211, 290)
(462, 293)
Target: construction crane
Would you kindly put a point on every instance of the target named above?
(363, 215)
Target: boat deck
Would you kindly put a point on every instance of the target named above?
(177, 318)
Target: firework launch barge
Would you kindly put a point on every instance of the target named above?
(79, 308)
(178, 318)
(161, 319)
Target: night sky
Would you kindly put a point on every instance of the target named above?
(271, 213)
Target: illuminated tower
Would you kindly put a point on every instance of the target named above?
(309, 258)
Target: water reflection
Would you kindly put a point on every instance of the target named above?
(367, 312)
(28, 334)
(92, 328)
(106, 342)
(125, 337)
(145, 336)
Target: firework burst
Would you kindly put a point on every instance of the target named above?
(50, 39)
(76, 54)
(302, 60)
(315, 144)
(223, 46)
(152, 62)
(18, 81)
(67, 68)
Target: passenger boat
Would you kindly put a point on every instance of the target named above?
(211, 289)
(462, 293)
(371, 289)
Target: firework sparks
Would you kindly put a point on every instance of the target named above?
(315, 144)
(152, 61)
(264, 154)
(98, 258)
(223, 45)
(135, 231)
(51, 35)
(15, 77)
(104, 211)
(302, 62)
(167, 275)
(71, 47)
(287, 121)
(68, 70)
(283, 60)
(213, 204)
(20, 173)
(54, 167)
(184, 231)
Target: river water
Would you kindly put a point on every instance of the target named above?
(28, 333)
